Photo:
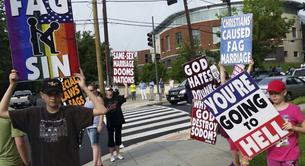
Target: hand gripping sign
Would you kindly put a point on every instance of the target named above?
(42, 38)
(246, 114)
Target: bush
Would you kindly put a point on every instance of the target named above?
(299, 100)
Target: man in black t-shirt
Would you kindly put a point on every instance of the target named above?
(52, 130)
(115, 120)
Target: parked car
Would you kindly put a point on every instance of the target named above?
(260, 75)
(177, 94)
(22, 99)
(295, 86)
(299, 73)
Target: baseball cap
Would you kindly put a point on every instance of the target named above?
(51, 86)
(276, 86)
(108, 88)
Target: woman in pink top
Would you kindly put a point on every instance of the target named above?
(286, 152)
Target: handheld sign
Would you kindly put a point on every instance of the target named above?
(42, 38)
(239, 68)
(236, 39)
(246, 114)
(200, 77)
(72, 94)
(123, 66)
(204, 125)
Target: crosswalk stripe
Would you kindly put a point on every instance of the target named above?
(142, 110)
(156, 131)
(154, 124)
(145, 113)
(153, 119)
(152, 115)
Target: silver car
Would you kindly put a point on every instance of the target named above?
(295, 86)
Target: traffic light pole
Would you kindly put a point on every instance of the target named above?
(159, 98)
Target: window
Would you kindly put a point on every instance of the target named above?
(147, 58)
(216, 37)
(162, 45)
(295, 54)
(294, 32)
(178, 39)
(167, 43)
(285, 53)
(196, 37)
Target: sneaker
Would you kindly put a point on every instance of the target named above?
(112, 158)
(119, 156)
(122, 146)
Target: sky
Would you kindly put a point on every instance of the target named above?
(125, 37)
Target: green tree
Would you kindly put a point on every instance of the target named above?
(86, 52)
(269, 26)
(148, 72)
(5, 58)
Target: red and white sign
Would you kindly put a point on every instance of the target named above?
(203, 124)
(123, 66)
(246, 114)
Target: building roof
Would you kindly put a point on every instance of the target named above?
(289, 3)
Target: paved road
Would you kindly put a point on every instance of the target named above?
(144, 124)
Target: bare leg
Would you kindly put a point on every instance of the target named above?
(235, 157)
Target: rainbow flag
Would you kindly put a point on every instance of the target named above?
(42, 38)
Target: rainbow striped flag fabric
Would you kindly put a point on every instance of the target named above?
(42, 38)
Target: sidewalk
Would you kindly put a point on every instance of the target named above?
(176, 149)
(173, 150)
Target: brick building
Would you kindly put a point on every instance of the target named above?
(172, 32)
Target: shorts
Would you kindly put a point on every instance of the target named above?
(94, 136)
(282, 163)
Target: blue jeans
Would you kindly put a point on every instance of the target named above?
(94, 136)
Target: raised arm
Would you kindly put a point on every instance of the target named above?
(222, 72)
(250, 67)
(126, 91)
(99, 107)
(13, 78)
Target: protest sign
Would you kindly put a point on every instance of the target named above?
(239, 68)
(200, 77)
(123, 66)
(72, 94)
(203, 124)
(246, 114)
(236, 39)
(42, 38)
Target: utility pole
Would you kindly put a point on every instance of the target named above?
(229, 6)
(155, 55)
(189, 27)
(106, 42)
(98, 48)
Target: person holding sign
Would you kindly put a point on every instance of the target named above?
(238, 158)
(286, 152)
(115, 120)
(95, 129)
(52, 130)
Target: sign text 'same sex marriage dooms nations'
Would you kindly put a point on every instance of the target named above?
(246, 114)
(42, 38)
